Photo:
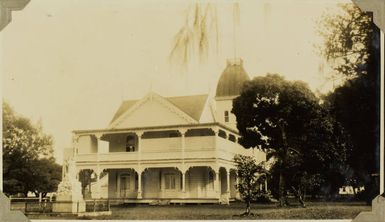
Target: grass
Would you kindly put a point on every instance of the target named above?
(314, 210)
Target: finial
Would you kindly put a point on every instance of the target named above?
(234, 61)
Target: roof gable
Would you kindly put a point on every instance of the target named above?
(187, 108)
(123, 108)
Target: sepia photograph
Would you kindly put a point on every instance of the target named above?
(192, 110)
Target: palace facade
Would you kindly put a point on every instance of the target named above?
(178, 149)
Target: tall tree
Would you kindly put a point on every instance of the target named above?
(285, 119)
(26, 147)
(46, 176)
(351, 46)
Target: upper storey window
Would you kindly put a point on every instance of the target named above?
(130, 144)
(226, 116)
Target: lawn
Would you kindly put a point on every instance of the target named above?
(314, 210)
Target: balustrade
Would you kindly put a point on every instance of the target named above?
(182, 146)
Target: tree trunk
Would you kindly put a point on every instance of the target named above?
(84, 191)
(282, 193)
(301, 200)
(282, 186)
(298, 194)
(248, 207)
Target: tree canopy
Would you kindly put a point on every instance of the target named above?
(285, 119)
(28, 163)
(347, 38)
(351, 46)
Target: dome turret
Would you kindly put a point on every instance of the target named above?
(232, 79)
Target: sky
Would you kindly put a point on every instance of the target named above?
(69, 64)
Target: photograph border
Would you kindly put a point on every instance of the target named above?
(376, 6)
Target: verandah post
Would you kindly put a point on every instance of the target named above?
(139, 185)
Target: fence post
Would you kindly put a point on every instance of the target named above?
(77, 207)
(94, 205)
(25, 206)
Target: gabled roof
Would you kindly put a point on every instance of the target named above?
(122, 108)
(191, 105)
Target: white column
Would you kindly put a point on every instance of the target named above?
(183, 171)
(98, 185)
(139, 170)
(139, 184)
(228, 181)
(183, 182)
(183, 143)
(139, 135)
(226, 197)
(139, 147)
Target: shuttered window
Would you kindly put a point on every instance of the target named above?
(170, 181)
(226, 116)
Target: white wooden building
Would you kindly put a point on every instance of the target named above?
(179, 149)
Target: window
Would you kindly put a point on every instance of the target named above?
(130, 144)
(169, 180)
(124, 185)
(222, 134)
(232, 138)
(226, 116)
